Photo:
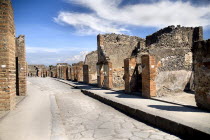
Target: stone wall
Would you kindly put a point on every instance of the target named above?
(201, 57)
(171, 48)
(7, 56)
(89, 68)
(21, 65)
(52, 71)
(114, 48)
(78, 71)
(62, 71)
(37, 70)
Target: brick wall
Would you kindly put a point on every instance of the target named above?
(21, 68)
(149, 72)
(7, 56)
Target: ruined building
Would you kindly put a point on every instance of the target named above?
(168, 65)
(201, 57)
(32, 71)
(62, 71)
(12, 59)
(37, 71)
(112, 50)
(52, 71)
(77, 71)
(89, 68)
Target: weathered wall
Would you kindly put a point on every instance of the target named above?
(78, 71)
(21, 68)
(114, 48)
(201, 57)
(171, 47)
(90, 71)
(37, 70)
(62, 71)
(149, 72)
(7, 56)
(53, 71)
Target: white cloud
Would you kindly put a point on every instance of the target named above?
(88, 23)
(108, 16)
(77, 58)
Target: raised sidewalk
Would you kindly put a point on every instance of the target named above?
(188, 123)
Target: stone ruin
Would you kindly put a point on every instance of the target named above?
(77, 71)
(112, 50)
(37, 71)
(168, 66)
(52, 71)
(89, 68)
(62, 71)
(12, 59)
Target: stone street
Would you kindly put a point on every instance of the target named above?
(53, 110)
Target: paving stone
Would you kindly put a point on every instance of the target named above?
(141, 134)
(158, 137)
(103, 132)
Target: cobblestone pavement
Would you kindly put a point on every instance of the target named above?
(85, 118)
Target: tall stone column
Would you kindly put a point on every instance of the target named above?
(148, 76)
(21, 68)
(201, 62)
(108, 78)
(100, 75)
(7, 56)
(86, 74)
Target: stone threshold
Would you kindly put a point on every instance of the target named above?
(185, 122)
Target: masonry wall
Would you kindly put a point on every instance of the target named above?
(201, 58)
(171, 48)
(114, 48)
(62, 70)
(89, 69)
(21, 68)
(78, 71)
(32, 72)
(7, 56)
(37, 70)
(53, 71)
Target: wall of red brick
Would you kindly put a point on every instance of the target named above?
(21, 55)
(149, 70)
(7, 56)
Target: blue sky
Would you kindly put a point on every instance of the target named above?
(65, 30)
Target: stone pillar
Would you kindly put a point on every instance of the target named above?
(129, 68)
(100, 75)
(80, 73)
(108, 79)
(148, 76)
(22, 70)
(7, 56)
(201, 62)
(86, 74)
